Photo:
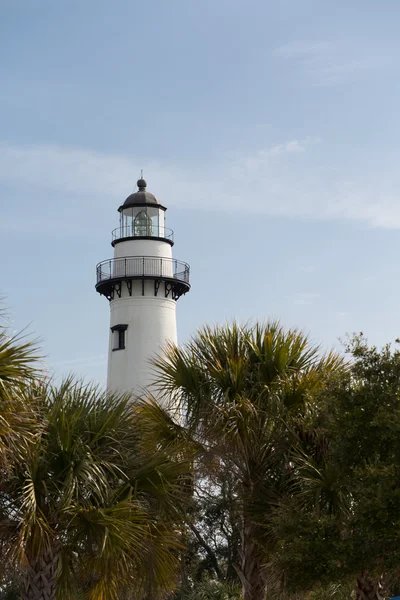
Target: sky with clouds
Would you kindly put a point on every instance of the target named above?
(270, 130)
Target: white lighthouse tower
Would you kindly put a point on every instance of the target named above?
(142, 283)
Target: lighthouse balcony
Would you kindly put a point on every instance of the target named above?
(142, 231)
(113, 274)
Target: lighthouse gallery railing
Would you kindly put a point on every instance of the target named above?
(142, 267)
(128, 231)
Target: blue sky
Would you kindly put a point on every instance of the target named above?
(269, 129)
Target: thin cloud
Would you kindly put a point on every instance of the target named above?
(302, 49)
(270, 158)
(328, 63)
(344, 71)
(287, 147)
(305, 299)
(84, 361)
(308, 268)
(288, 179)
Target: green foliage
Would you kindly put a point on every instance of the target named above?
(244, 391)
(333, 591)
(347, 499)
(88, 493)
(279, 471)
(19, 358)
(210, 590)
(19, 365)
(10, 587)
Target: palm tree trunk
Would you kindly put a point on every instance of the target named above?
(368, 588)
(40, 578)
(252, 572)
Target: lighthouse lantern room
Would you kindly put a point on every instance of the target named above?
(142, 283)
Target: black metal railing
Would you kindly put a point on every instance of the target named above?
(142, 267)
(133, 230)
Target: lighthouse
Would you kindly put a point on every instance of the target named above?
(142, 283)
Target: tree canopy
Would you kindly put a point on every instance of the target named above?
(342, 521)
(269, 470)
(244, 392)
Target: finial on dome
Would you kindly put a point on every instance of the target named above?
(141, 183)
(142, 197)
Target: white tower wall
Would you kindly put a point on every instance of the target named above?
(151, 323)
(142, 248)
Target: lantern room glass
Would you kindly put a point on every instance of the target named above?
(142, 225)
(142, 221)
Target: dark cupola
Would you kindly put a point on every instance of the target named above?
(141, 198)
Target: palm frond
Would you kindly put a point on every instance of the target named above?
(90, 484)
(19, 358)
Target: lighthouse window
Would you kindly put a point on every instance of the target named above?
(121, 339)
(143, 225)
(118, 336)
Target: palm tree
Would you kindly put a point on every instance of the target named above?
(238, 388)
(91, 505)
(19, 365)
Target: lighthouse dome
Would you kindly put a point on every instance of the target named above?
(140, 198)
